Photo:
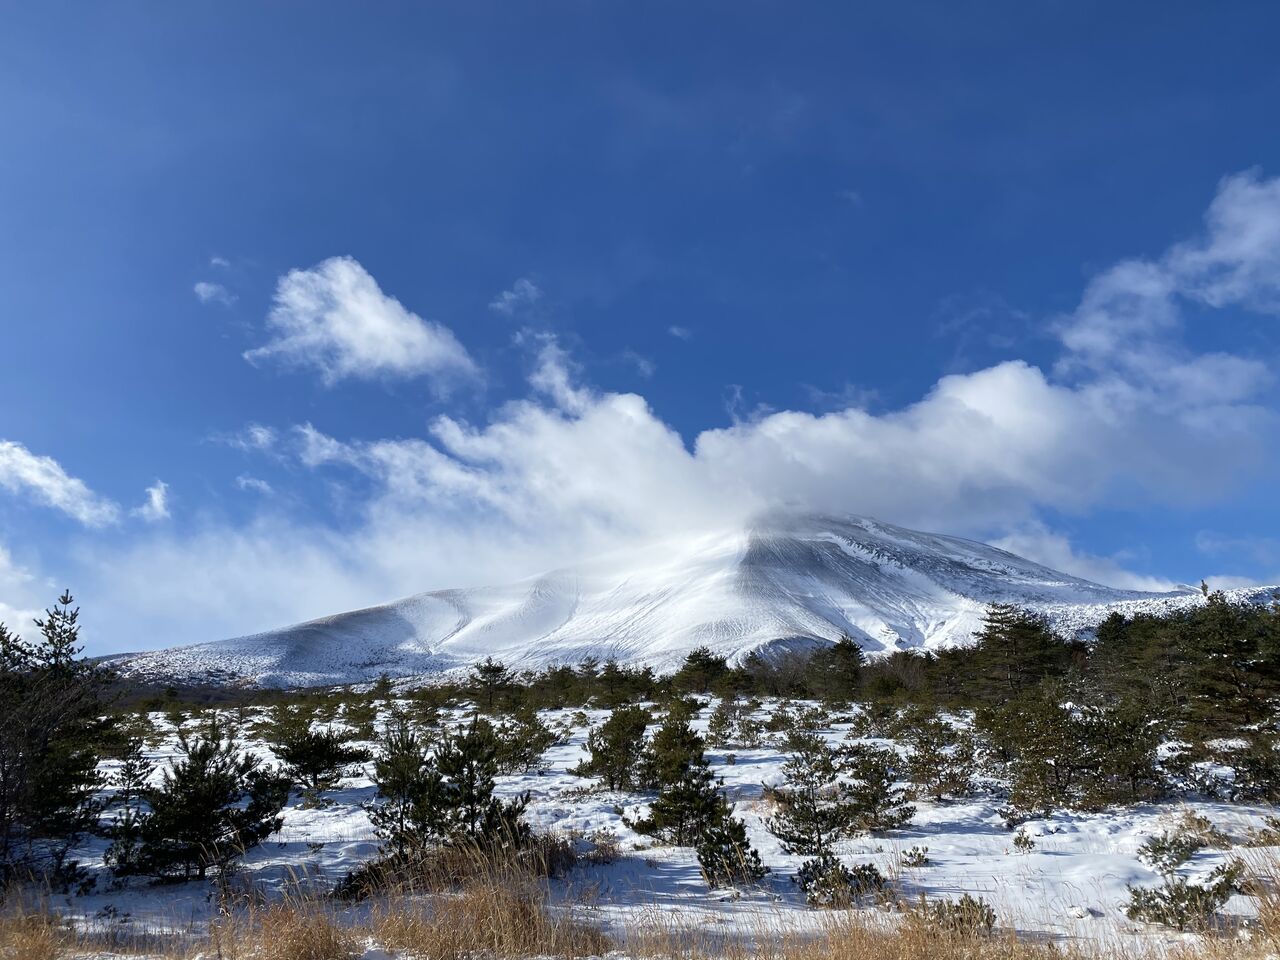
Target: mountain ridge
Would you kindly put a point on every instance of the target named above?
(783, 581)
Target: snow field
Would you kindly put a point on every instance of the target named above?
(1071, 886)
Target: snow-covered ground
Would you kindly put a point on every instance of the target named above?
(785, 580)
(1071, 885)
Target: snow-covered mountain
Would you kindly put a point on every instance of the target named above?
(785, 580)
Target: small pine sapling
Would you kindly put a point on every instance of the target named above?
(726, 857)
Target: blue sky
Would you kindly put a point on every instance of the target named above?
(305, 307)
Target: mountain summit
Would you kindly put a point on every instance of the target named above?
(784, 581)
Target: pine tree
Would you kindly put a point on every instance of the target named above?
(405, 814)
(871, 800)
(1229, 668)
(720, 727)
(836, 671)
(689, 801)
(619, 686)
(1121, 761)
(1014, 651)
(468, 763)
(491, 677)
(616, 748)
(942, 762)
(812, 810)
(1257, 769)
(700, 671)
(687, 806)
(213, 805)
(361, 716)
(830, 796)
(445, 795)
(725, 856)
(674, 748)
(52, 735)
(1035, 738)
(523, 742)
(125, 832)
(382, 689)
(317, 760)
(1074, 756)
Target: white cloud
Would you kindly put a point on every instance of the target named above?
(221, 263)
(334, 318)
(207, 292)
(851, 197)
(1259, 551)
(523, 293)
(254, 485)
(1228, 581)
(849, 395)
(253, 438)
(553, 376)
(1237, 261)
(981, 450)
(21, 595)
(680, 333)
(644, 366)
(44, 480)
(315, 449)
(1125, 329)
(156, 507)
(1264, 550)
(1036, 542)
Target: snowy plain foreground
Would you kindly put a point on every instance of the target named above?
(1071, 887)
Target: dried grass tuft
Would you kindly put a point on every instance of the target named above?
(31, 936)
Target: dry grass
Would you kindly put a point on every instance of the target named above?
(849, 936)
(440, 869)
(485, 919)
(843, 935)
(502, 910)
(461, 902)
(285, 931)
(32, 936)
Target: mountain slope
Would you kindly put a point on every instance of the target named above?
(783, 581)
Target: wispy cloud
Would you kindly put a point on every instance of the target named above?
(207, 292)
(43, 480)
(680, 333)
(1036, 542)
(1254, 549)
(156, 507)
(21, 594)
(1125, 329)
(523, 293)
(333, 318)
(643, 365)
(254, 485)
(252, 438)
(849, 396)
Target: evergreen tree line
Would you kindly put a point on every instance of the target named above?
(1210, 668)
